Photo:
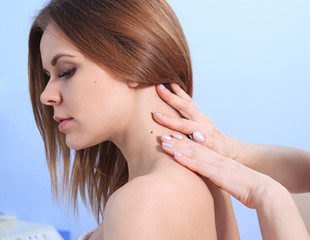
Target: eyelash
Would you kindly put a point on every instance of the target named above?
(67, 74)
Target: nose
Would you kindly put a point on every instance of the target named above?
(51, 95)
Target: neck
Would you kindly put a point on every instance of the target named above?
(139, 140)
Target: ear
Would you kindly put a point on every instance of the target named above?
(132, 84)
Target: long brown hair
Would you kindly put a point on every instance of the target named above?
(138, 40)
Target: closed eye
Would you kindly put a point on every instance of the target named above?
(67, 74)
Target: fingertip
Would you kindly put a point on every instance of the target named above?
(157, 114)
(175, 87)
(162, 92)
(161, 87)
(179, 158)
(178, 155)
(174, 84)
(166, 137)
(167, 145)
(198, 136)
(178, 136)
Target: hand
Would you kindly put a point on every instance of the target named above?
(193, 122)
(243, 183)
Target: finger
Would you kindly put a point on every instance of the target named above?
(198, 137)
(207, 141)
(177, 124)
(183, 160)
(170, 144)
(199, 116)
(194, 162)
(179, 91)
(167, 144)
(185, 107)
(201, 159)
(197, 158)
(207, 168)
(187, 127)
(229, 175)
(181, 144)
(177, 143)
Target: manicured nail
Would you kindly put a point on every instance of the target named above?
(177, 154)
(166, 144)
(157, 113)
(163, 86)
(198, 136)
(178, 136)
(167, 137)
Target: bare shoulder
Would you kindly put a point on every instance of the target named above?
(178, 206)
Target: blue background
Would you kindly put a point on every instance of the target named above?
(251, 62)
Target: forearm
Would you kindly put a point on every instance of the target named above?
(278, 215)
(288, 166)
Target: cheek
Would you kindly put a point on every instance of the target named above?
(100, 107)
(94, 124)
(104, 101)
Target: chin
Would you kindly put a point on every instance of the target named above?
(74, 146)
(77, 144)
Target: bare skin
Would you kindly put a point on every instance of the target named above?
(275, 161)
(162, 199)
(211, 153)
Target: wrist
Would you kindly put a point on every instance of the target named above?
(277, 213)
(269, 192)
(244, 153)
(237, 149)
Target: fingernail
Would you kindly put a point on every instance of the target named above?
(177, 154)
(163, 86)
(158, 114)
(198, 136)
(178, 136)
(166, 137)
(166, 144)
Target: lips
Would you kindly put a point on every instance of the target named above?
(62, 122)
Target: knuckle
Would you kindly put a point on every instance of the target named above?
(180, 126)
(194, 152)
(192, 163)
(210, 130)
(210, 143)
(175, 144)
(168, 97)
(190, 110)
(213, 128)
(168, 122)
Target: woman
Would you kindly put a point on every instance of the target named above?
(93, 67)
(277, 213)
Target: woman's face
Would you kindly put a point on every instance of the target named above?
(89, 104)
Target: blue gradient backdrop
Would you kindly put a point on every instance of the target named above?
(251, 62)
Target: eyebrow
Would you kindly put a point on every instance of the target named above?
(55, 59)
